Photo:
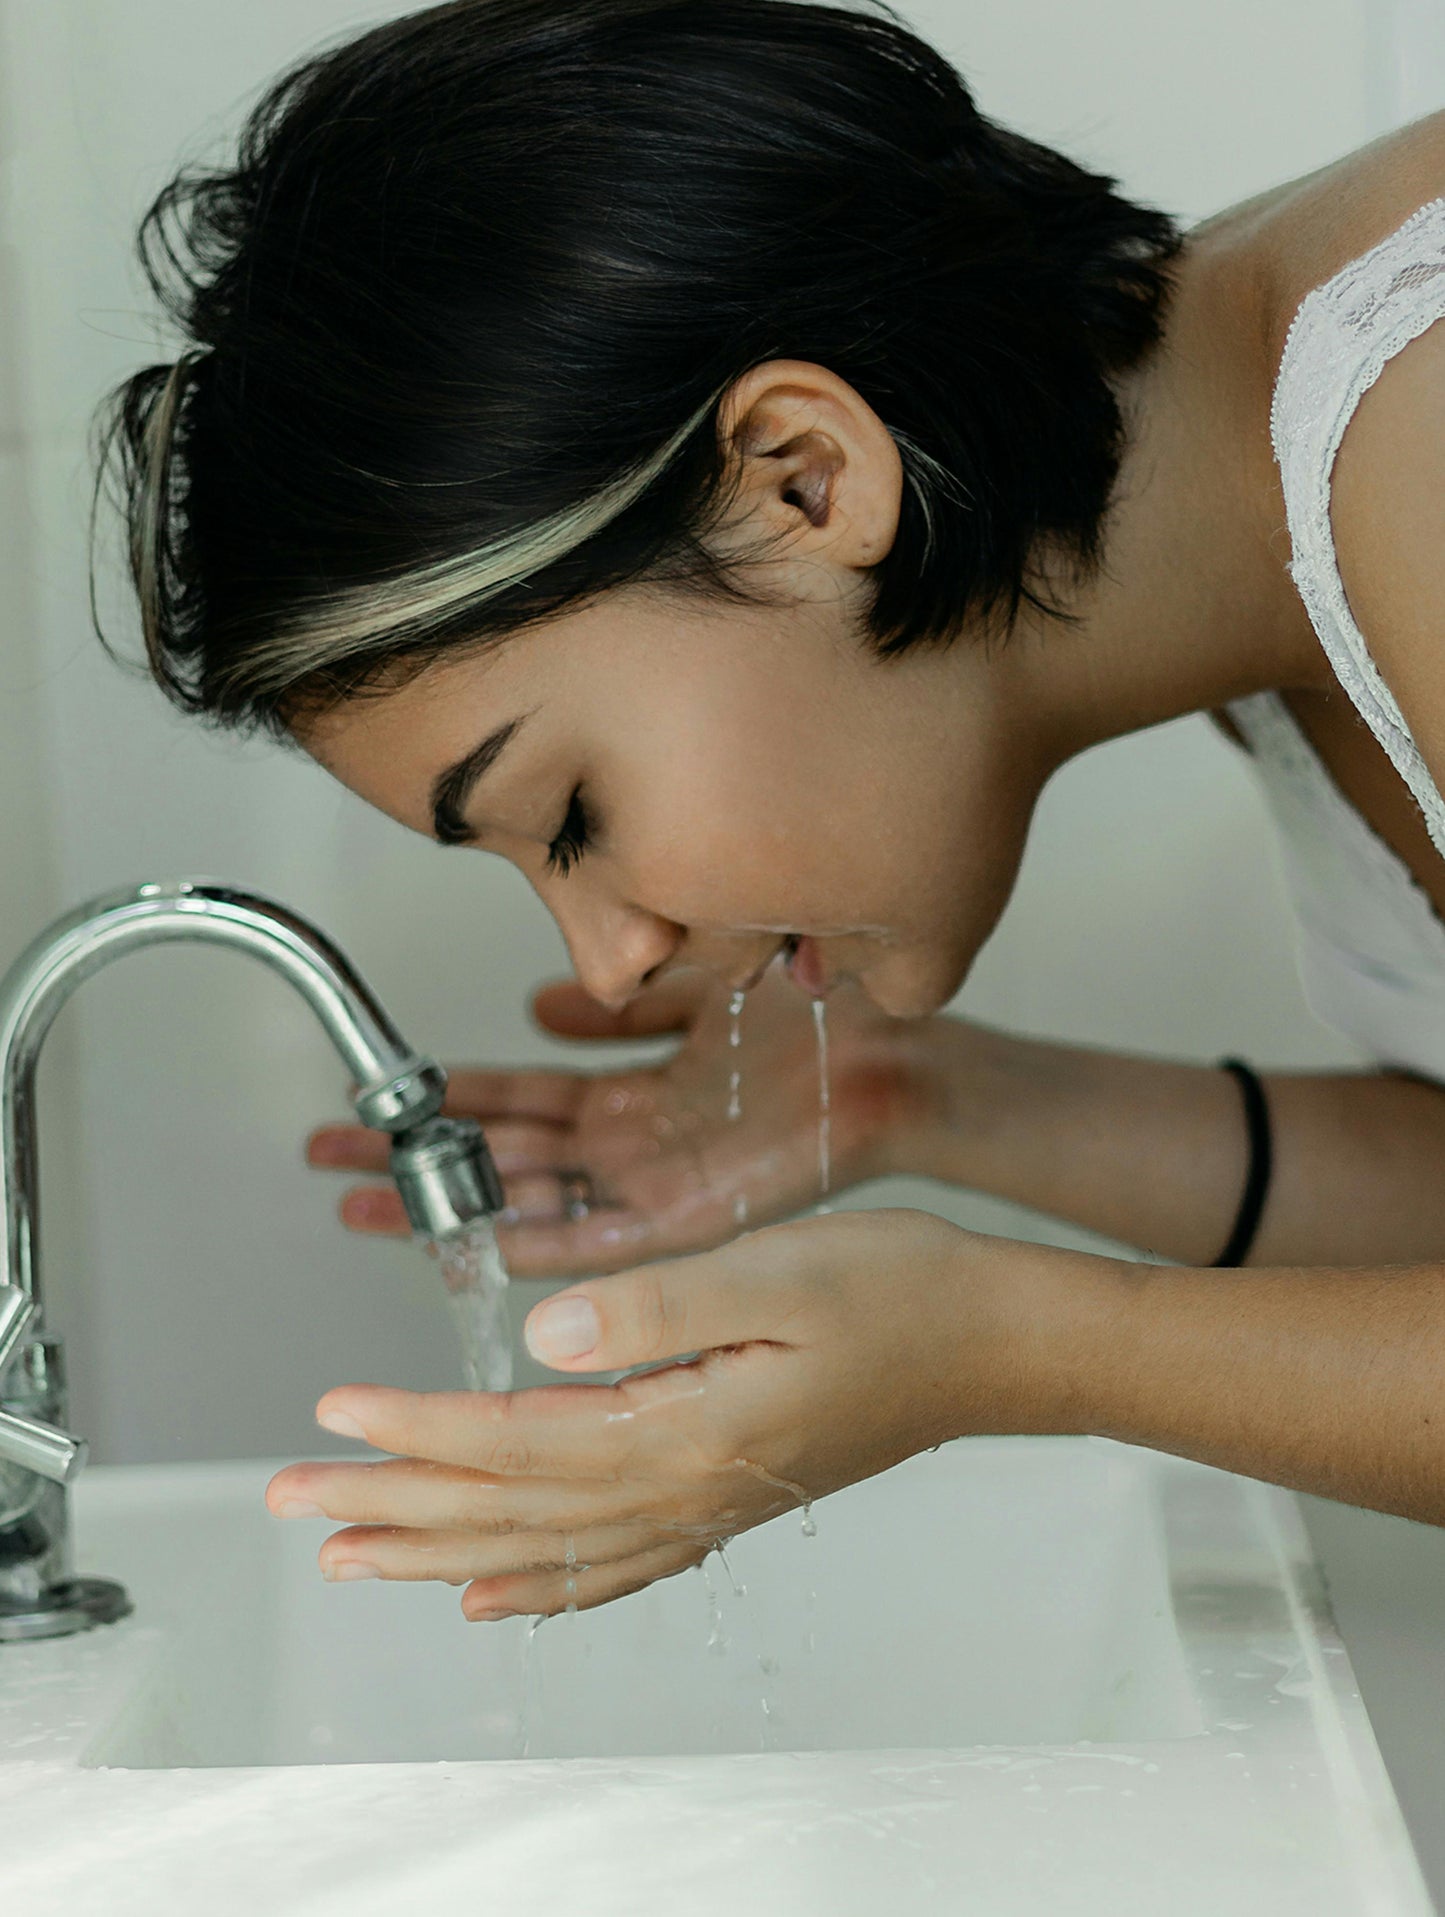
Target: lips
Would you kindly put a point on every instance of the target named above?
(805, 967)
(801, 958)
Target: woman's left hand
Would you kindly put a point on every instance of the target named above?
(826, 1350)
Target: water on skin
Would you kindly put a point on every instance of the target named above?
(572, 1568)
(825, 1106)
(735, 1089)
(810, 1529)
(477, 1284)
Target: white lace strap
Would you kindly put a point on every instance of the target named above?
(1344, 335)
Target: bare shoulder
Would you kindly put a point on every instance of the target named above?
(1305, 231)
(1388, 511)
(1388, 495)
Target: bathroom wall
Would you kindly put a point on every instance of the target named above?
(205, 1292)
(219, 1298)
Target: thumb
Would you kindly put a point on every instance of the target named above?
(736, 1295)
(671, 1006)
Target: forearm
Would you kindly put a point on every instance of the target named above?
(1154, 1153)
(1328, 1381)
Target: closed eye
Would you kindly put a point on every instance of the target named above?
(573, 837)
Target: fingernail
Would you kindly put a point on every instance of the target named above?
(488, 1617)
(563, 1328)
(326, 1149)
(341, 1423)
(363, 1207)
(298, 1508)
(349, 1572)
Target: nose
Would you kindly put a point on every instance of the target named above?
(614, 946)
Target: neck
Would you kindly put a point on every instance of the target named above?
(1192, 606)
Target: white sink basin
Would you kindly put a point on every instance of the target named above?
(936, 1612)
(1089, 1676)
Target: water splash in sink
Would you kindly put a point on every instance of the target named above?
(477, 1284)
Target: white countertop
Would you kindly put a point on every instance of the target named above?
(1280, 1807)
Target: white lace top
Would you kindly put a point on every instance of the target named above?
(1371, 946)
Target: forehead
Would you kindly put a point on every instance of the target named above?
(389, 744)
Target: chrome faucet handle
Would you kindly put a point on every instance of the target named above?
(24, 1441)
(17, 1311)
(41, 1448)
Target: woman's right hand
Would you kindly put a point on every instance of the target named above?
(669, 1170)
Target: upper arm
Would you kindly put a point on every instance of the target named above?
(1388, 513)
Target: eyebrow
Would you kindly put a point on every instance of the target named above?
(453, 787)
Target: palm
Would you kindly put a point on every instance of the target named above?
(605, 1170)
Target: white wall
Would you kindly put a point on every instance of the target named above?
(218, 1298)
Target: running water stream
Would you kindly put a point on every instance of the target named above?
(735, 1039)
(825, 1105)
(735, 1089)
(477, 1285)
(718, 1641)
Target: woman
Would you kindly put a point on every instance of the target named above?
(682, 447)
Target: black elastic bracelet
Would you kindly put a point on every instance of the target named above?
(1261, 1163)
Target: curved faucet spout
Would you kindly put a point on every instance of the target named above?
(396, 1089)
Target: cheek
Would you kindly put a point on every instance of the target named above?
(712, 834)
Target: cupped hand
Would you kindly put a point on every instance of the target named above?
(808, 1356)
(664, 1163)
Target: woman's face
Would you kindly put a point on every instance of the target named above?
(687, 786)
(695, 788)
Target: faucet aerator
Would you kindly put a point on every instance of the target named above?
(445, 1175)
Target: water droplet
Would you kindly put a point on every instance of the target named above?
(735, 1039)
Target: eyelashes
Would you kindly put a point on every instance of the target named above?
(573, 836)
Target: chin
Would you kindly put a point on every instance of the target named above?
(912, 991)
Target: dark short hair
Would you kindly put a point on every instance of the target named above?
(459, 317)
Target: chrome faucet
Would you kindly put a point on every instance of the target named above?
(441, 1166)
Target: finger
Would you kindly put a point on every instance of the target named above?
(627, 1433)
(517, 1144)
(546, 1594)
(738, 1295)
(348, 1148)
(529, 1144)
(669, 1006)
(552, 1097)
(452, 1557)
(550, 1431)
(378, 1211)
(418, 1493)
(541, 1197)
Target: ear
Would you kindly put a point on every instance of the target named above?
(818, 471)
